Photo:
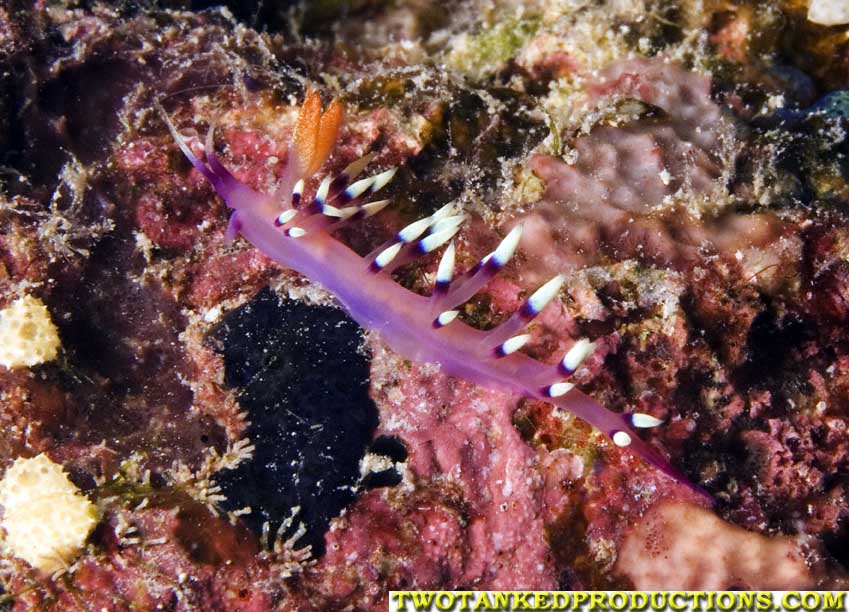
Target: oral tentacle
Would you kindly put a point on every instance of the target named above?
(234, 226)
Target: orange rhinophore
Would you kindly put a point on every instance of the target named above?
(315, 133)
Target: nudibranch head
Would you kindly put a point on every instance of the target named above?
(313, 138)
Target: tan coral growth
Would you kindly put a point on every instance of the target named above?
(681, 546)
(829, 12)
(45, 518)
(27, 335)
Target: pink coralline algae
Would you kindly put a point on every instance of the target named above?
(464, 435)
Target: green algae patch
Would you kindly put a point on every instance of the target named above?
(481, 55)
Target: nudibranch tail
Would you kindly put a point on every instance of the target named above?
(295, 231)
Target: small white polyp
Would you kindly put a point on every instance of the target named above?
(621, 438)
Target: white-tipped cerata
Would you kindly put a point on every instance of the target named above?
(355, 190)
(440, 214)
(353, 169)
(504, 252)
(558, 389)
(286, 216)
(513, 344)
(414, 230)
(644, 421)
(542, 296)
(387, 255)
(445, 271)
(380, 180)
(436, 240)
(296, 232)
(446, 317)
(297, 192)
(331, 211)
(349, 211)
(452, 221)
(372, 208)
(323, 189)
(579, 351)
(621, 438)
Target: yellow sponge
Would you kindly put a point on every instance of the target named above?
(27, 335)
(45, 518)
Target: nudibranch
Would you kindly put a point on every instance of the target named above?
(298, 234)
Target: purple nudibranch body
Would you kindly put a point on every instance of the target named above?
(298, 235)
